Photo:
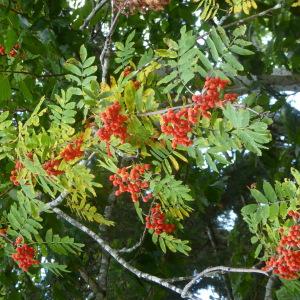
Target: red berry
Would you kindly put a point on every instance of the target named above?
(13, 52)
(73, 150)
(114, 124)
(24, 256)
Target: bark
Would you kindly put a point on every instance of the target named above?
(269, 287)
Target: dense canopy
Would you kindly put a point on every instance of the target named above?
(150, 149)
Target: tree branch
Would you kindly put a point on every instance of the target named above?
(92, 13)
(33, 74)
(104, 56)
(269, 287)
(215, 270)
(252, 17)
(114, 254)
(138, 244)
(90, 282)
(224, 277)
(163, 111)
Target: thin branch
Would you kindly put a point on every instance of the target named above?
(104, 56)
(33, 74)
(247, 19)
(269, 287)
(13, 10)
(114, 254)
(215, 270)
(92, 283)
(163, 111)
(7, 190)
(105, 259)
(138, 244)
(224, 277)
(92, 13)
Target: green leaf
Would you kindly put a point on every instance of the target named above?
(254, 239)
(162, 244)
(213, 49)
(72, 68)
(165, 53)
(205, 61)
(210, 162)
(154, 238)
(5, 89)
(55, 268)
(258, 250)
(217, 41)
(274, 211)
(296, 175)
(269, 191)
(89, 62)
(232, 61)
(171, 44)
(129, 97)
(239, 31)
(239, 50)
(83, 53)
(258, 196)
(139, 211)
(89, 71)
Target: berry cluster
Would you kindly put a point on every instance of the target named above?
(142, 5)
(286, 262)
(157, 221)
(131, 182)
(12, 53)
(18, 167)
(136, 84)
(51, 167)
(114, 124)
(294, 214)
(127, 71)
(14, 173)
(179, 125)
(211, 96)
(24, 256)
(73, 150)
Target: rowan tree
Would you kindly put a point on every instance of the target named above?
(132, 133)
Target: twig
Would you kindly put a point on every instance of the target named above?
(269, 287)
(114, 254)
(104, 56)
(219, 269)
(224, 277)
(33, 74)
(105, 259)
(242, 21)
(92, 13)
(260, 14)
(92, 283)
(6, 191)
(138, 244)
(162, 111)
(13, 10)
